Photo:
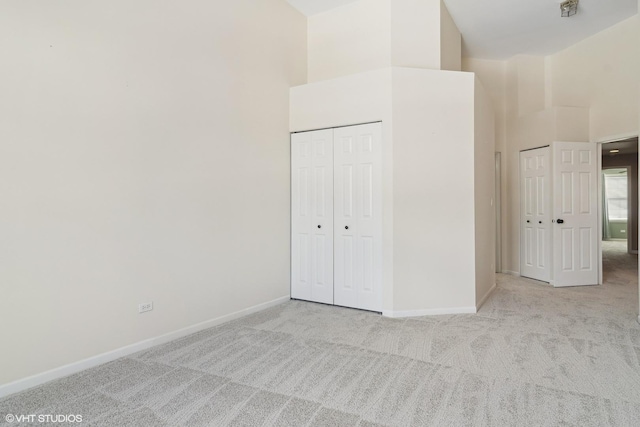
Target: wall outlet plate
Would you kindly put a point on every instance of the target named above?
(145, 306)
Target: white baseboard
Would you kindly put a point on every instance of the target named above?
(511, 273)
(72, 368)
(429, 312)
(486, 296)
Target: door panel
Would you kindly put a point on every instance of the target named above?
(312, 216)
(536, 214)
(575, 201)
(358, 219)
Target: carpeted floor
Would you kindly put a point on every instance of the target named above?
(534, 355)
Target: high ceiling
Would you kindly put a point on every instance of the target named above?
(500, 29)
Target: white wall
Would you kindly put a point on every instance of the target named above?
(145, 157)
(433, 189)
(425, 114)
(484, 193)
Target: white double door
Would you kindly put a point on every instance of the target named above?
(559, 214)
(336, 216)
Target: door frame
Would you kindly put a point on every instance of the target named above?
(600, 143)
(498, 210)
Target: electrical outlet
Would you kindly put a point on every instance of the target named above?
(145, 306)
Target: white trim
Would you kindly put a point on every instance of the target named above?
(600, 212)
(511, 273)
(72, 368)
(572, 286)
(429, 312)
(498, 209)
(616, 138)
(486, 296)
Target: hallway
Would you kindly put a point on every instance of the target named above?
(619, 267)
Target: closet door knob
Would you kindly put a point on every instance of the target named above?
(539, 222)
(528, 221)
(560, 221)
(319, 226)
(346, 227)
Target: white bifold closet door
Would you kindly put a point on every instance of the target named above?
(535, 209)
(358, 217)
(336, 207)
(312, 216)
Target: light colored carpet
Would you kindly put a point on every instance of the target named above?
(534, 355)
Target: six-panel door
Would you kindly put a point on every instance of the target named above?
(336, 215)
(358, 216)
(312, 216)
(575, 205)
(559, 235)
(535, 206)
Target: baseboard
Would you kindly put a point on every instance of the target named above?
(486, 296)
(511, 273)
(552, 283)
(72, 368)
(429, 312)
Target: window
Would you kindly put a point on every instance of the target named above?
(615, 190)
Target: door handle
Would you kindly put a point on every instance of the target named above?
(560, 221)
(528, 221)
(319, 226)
(346, 227)
(539, 222)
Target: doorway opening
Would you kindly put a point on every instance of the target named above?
(616, 212)
(619, 207)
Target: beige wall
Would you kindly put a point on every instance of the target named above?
(587, 92)
(531, 83)
(601, 72)
(349, 39)
(433, 189)
(492, 75)
(484, 192)
(450, 42)
(366, 35)
(145, 157)
(415, 33)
